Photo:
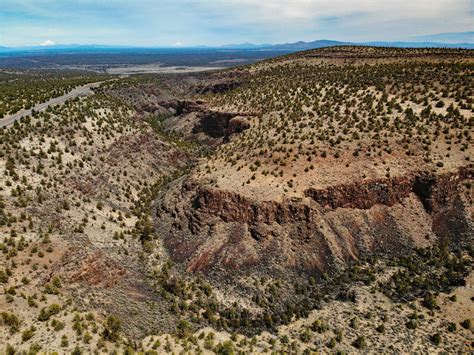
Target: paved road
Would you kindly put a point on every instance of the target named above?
(78, 91)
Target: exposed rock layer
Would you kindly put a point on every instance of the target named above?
(432, 191)
(209, 229)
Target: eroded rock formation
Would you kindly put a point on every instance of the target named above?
(208, 229)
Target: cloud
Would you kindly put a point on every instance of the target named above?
(160, 22)
(48, 42)
(178, 44)
(300, 13)
(288, 11)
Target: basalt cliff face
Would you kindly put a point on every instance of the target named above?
(208, 229)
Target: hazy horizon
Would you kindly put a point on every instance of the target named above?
(441, 38)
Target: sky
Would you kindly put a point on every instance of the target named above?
(217, 22)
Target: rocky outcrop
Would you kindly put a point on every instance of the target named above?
(219, 87)
(220, 124)
(433, 191)
(213, 124)
(232, 207)
(181, 107)
(211, 230)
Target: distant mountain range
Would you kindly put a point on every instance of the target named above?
(286, 47)
(299, 46)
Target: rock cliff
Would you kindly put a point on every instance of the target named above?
(208, 229)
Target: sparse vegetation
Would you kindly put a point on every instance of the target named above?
(108, 247)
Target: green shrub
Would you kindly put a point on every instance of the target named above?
(466, 323)
(226, 348)
(412, 324)
(429, 301)
(47, 312)
(64, 341)
(436, 339)
(28, 334)
(11, 320)
(332, 343)
(10, 350)
(305, 336)
(112, 327)
(360, 343)
(451, 327)
(34, 349)
(320, 326)
(183, 329)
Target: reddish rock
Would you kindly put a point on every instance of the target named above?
(222, 229)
